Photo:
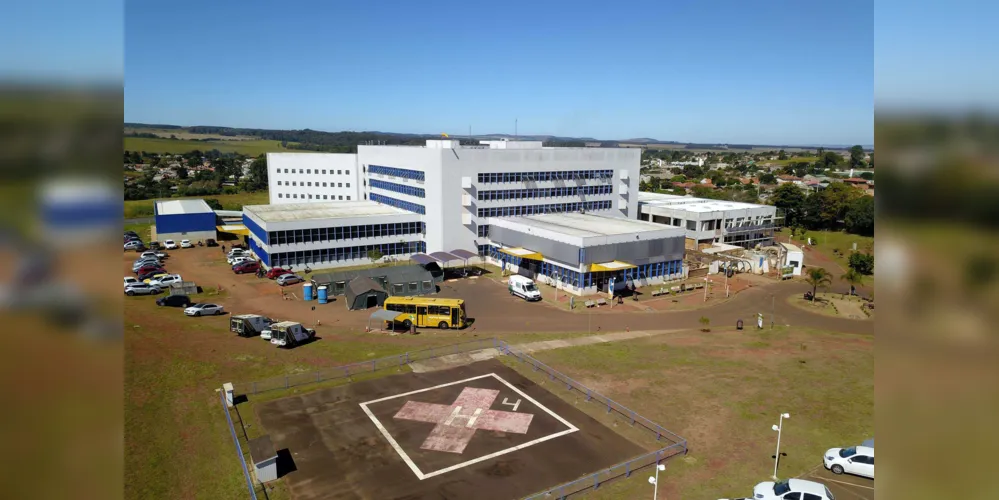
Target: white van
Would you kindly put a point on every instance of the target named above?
(524, 288)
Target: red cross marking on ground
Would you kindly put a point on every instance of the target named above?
(457, 422)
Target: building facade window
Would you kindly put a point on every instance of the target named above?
(341, 254)
(483, 231)
(405, 205)
(280, 195)
(520, 194)
(398, 188)
(344, 233)
(348, 197)
(568, 175)
(548, 208)
(396, 172)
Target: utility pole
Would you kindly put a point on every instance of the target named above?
(772, 301)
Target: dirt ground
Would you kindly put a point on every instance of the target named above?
(495, 311)
(339, 452)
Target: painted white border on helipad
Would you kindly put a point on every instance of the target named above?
(416, 470)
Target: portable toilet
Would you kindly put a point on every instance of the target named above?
(322, 294)
(307, 291)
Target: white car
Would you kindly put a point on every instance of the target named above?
(857, 460)
(239, 259)
(792, 489)
(152, 254)
(266, 334)
(166, 281)
(169, 244)
(203, 310)
(131, 281)
(132, 245)
(186, 244)
(141, 289)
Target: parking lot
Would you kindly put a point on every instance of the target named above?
(843, 486)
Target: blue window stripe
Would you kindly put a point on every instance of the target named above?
(396, 172)
(545, 209)
(545, 176)
(399, 188)
(405, 205)
(518, 194)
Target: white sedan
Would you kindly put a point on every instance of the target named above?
(169, 244)
(186, 244)
(203, 310)
(131, 281)
(166, 281)
(141, 289)
(857, 460)
(792, 489)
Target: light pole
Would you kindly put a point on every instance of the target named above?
(705, 289)
(654, 481)
(779, 427)
(772, 301)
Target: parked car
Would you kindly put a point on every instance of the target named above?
(150, 270)
(141, 289)
(204, 310)
(289, 279)
(211, 243)
(154, 254)
(130, 280)
(246, 267)
(797, 489)
(169, 244)
(274, 272)
(186, 244)
(231, 258)
(143, 263)
(857, 460)
(240, 260)
(166, 281)
(174, 301)
(132, 245)
(155, 277)
(154, 245)
(131, 233)
(151, 275)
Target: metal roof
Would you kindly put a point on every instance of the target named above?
(262, 448)
(179, 207)
(444, 257)
(422, 259)
(392, 274)
(463, 254)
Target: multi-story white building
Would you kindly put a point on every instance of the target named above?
(706, 222)
(454, 192)
(312, 177)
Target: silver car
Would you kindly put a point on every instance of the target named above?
(141, 289)
(288, 279)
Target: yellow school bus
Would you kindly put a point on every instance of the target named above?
(428, 312)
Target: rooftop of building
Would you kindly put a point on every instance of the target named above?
(586, 229)
(326, 210)
(692, 204)
(179, 207)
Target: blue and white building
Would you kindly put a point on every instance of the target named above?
(188, 219)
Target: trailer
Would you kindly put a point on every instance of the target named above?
(290, 334)
(249, 325)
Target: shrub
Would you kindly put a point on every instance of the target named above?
(705, 324)
(863, 263)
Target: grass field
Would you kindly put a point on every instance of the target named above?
(143, 230)
(722, 391)
(144, 208)
(827, 241)
(802, 159)
(176, 146)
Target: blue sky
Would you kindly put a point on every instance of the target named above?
(775, 72)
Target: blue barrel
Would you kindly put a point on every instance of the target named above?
(322, 294)
(307, 291)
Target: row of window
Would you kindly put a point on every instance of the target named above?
(331, 197)
(343, 233)
(331, 255)
(518, 194)
(578, 279)
(308, 171)
(545, 176)
(549, 208)
(405, 205)
(404, 173)
(309, 184)
(398, 188)
(411, 309)
(483, 230)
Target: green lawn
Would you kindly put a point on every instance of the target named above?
(176, 146)
(141, 229)
(827, 241)
(144, 208)
(722, 392)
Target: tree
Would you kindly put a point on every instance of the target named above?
(181, 172)
(863, 263)
(852, 277)
(782, 155)
(375, 255)
(829, 159)
(768, 178)
(834, 201)
(867, 176)
(857, 156)
(816, 276)
(859, 216)
(705, 324)
(258, 173)
(214, 203)
(791, 200)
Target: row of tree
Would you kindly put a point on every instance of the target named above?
(838, 206)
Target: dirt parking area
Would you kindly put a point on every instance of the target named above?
(478, 431)
(843, 486)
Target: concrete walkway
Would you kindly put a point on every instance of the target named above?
(465, 358)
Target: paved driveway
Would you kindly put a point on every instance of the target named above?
(843, 486)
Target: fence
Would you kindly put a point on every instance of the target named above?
(239, 449)
(674, 445)
(348, 371)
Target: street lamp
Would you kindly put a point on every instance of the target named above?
(779, 427)
(654, 481)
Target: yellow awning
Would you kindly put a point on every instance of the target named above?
(523, 253)
(234, 229)
(611, 266)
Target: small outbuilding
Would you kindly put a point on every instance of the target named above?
(264, 459)
(396, 280)
(364, 293)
